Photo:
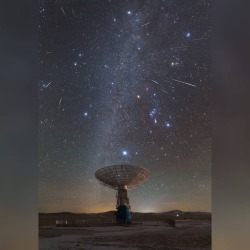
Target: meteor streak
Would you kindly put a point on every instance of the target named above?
(163, 90)
(183, 82)
(154, 81)
(48, 84)
(197, 39)
(63, 11)
(126, 113)
(73, 12)
(200, 67)
(60, 103)
(146, 24)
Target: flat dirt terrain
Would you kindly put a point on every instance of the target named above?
(174, 230)
(188, 234)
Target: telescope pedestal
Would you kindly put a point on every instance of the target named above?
(123, 215)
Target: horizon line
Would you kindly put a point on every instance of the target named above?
(194, 211)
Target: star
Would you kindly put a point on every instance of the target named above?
(152, 112)
(124, 152)
(168, 124)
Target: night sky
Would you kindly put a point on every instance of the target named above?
(125, 82)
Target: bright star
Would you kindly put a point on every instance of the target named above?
(152, 113)
(129, 12)
(188, 34)
(85, 114)
(124, 152)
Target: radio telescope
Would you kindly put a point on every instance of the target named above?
(122, 178)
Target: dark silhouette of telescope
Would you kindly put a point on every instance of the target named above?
(122, 178)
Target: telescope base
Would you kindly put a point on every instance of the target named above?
(123, 215)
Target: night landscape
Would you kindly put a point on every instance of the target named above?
(124, 86)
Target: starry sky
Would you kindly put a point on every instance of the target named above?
(124, 82)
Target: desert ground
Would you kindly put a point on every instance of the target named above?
(148, 231)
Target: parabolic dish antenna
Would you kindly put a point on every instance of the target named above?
(119, 176)
(122, 178)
